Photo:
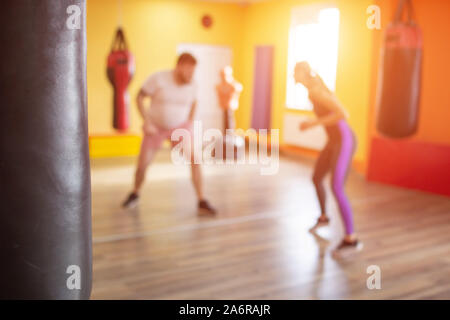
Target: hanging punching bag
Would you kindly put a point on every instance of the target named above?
(120, 72)
(45, 215)
(400, 76)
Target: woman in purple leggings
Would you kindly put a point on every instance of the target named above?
(337, 155)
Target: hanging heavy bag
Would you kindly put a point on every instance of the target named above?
(400, 76)
(120, 71)
(45, 215)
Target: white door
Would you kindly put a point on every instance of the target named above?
(210, 60)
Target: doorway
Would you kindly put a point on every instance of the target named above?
(210, 60)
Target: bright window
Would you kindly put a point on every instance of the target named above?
(313, 37)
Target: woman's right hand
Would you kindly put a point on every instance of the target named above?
(305, 125)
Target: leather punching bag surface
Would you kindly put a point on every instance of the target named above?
(400, 77)
(45, 199)
(120, 71)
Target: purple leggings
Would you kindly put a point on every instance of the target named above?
(336, 157)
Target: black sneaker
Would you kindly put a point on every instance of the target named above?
(204, 208)
(131, 201)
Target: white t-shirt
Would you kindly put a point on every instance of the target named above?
(171, 103)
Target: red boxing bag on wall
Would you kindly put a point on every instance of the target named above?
(120, 72)
(400, 76)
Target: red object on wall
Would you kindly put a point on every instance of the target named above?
(120, 71)
(411, 164)
(207, 21)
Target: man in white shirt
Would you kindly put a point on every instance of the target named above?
(173, 102)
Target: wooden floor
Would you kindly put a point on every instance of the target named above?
(259, 247)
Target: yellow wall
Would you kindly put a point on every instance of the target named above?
(153, 29)
(269, 22)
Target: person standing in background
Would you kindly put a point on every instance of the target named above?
(337, 155)
(173, 102)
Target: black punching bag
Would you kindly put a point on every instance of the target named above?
(400, 76)
(45, 201)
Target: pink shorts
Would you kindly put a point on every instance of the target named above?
(152, 142)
